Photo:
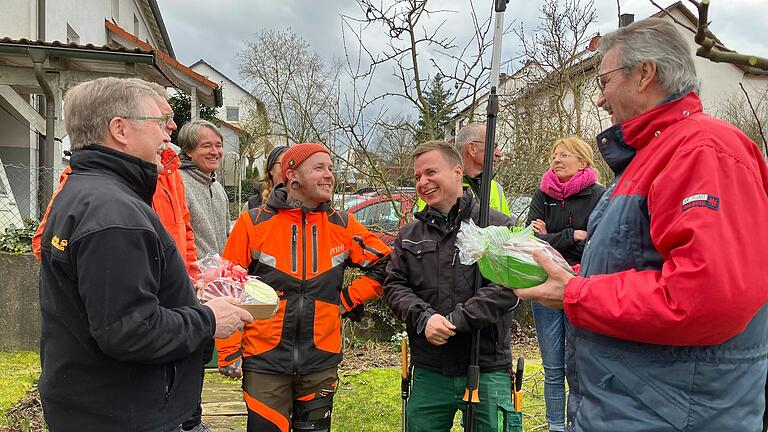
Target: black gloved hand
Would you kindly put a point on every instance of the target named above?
(356, 314)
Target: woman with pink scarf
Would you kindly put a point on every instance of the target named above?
(559, 212)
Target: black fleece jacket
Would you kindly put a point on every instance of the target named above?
(563, 217)
(122, 331)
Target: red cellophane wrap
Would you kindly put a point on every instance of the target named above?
(213, 276)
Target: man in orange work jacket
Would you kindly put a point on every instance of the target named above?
(300, 246)
(169, 200)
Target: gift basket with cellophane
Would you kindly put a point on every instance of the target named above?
(504, 255)
(214, 276)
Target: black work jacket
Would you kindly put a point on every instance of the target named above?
(122, 331)
(424, 276)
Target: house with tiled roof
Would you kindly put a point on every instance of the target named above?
(48, 47)
(532, 84)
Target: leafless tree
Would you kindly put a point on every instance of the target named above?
(255, 135)
(418, 48)
(748, 112)
(297, 86)
(558, 46)
(551, 96)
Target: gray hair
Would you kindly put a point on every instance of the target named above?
(657, 40)
(90, 106)
(467, 134)
(160, 90)
(449, 152)
(190, 132)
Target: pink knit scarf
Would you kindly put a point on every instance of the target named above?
(552, 186)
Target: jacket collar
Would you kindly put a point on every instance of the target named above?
(192, 169)
(170, 160)
(278, 200)
(138, 175)
(460, 211)
(619, 143)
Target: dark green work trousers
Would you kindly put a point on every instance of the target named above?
(435, 398)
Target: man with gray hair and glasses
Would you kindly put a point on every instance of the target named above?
(122, 331)
(668, 311)
(470, 143)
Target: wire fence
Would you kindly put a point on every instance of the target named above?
(25, 192)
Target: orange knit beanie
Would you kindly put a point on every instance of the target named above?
(298, 153)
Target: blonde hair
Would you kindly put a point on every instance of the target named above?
(266, 184)
(578, 147)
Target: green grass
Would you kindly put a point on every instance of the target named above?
(370, 401)
(18, 372)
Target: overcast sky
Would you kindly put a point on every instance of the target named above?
(216, 31)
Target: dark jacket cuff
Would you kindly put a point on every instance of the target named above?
(457, 318)
(421, 322)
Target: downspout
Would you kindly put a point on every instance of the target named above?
(41, 20)
(41, 109)
(46, 185)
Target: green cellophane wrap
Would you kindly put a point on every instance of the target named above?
(505, 255)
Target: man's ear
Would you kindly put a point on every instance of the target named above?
(118, 130)
(290, 175)
(459, 172)
(648, 74)
(472, 149)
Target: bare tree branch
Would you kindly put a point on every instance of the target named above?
(708, 46)
(757, 119)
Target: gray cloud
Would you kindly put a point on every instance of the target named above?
(215, 31)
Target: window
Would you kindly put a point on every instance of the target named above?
(380, 216)
(116, 11)
(233, 113)
(72, 36)
(136, 26)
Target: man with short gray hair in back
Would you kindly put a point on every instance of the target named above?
(669, 323)
(122, 332)
(470, 144)
(202, 150)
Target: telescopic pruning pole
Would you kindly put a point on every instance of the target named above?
(471, 395)
(405, 381)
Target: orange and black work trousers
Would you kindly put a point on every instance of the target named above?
(284, 403)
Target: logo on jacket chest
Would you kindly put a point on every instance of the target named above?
(336, 250)
(58, 243)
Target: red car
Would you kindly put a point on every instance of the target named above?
(378, 214)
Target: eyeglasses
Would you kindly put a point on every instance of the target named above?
(561, 156)
(599, 78)
(162, 121)
(482, 144)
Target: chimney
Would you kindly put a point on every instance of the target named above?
(626, 19)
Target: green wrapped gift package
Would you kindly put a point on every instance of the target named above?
(505, 255)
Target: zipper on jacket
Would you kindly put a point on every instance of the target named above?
(169, 380)
(314, 249)
(294, 252)
(300, 314)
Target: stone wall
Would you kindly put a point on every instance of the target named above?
(19, 302)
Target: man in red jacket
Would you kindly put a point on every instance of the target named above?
(670, 326)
